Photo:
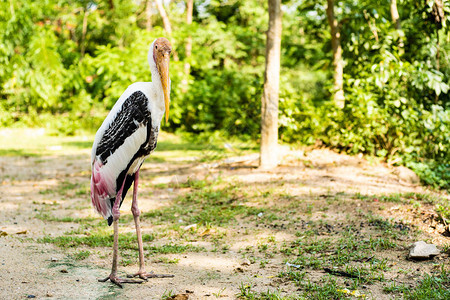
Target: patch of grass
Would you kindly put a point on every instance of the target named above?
(100, 238)
(404, 198)
(172, 249)
(45, 216)
(327, 288)
(442, 205)
(206, 205)
(295, 276)
(395, 288)
(246, 292)
(80, 255)
(431, 287)
(67, 188)
(168, 294)
(349, 248)
(40, 142)
(446, 248)
(18, 152)
(166, 260)
(127, 241)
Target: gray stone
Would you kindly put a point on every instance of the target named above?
(422, 250)
(407, 175)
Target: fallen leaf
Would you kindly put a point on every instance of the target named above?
(22, 232)
(354, 293)
(206, 232)
(3, 233)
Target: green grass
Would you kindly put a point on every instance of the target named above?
(68, 188)
(46, 216)
(40, 142)
(206, 204)
(441, 204)
(103, 237)
(80, 255)
(430, 287)
(246, 292)
(100, 238)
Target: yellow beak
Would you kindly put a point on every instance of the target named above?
(163, 68)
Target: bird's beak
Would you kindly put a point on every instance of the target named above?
(163, 67)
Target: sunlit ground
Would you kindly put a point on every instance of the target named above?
(223, 227)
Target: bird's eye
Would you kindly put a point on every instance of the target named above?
(156, 47)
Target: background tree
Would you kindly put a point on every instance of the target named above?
(164, 17)
(338, 64)
(187, 65)
(148, 15)
(396, 103)
(269, 107)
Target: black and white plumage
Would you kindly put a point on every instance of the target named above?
(120, 151)
(127, 136)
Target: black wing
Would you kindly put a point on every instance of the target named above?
(134, 113)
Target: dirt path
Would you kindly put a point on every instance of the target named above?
(37, 193)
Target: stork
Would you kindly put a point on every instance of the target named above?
(127, 136)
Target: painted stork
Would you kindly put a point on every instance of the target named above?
(127, 136)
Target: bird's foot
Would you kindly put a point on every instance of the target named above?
(144, 275)
(119, 281)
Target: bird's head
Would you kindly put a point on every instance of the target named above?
(161, 56)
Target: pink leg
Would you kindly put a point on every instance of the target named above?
(116, 214)
(136, 213)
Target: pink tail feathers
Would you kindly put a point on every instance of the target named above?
(102, 189)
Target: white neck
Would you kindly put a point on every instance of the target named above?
(158, 104)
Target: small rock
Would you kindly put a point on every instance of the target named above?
(64, 271)
(53, 259)
(193, 226)
(179, 297)
(407, 175)
(49, 294)
(246, 262)
(292, 265)
(260, 214)
(422, 250)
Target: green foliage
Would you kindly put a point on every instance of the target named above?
(395, 81)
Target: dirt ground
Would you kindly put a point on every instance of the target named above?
(32, 269)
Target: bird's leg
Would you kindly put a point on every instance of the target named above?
(136, 213)
(116, 214)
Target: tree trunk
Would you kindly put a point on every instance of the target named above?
(187, 66)
(148, 15)
(165, 18)
(167, 26)
(338, 88)
(269, 107)
(394, 14)
(396, 20)
(439, 18)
